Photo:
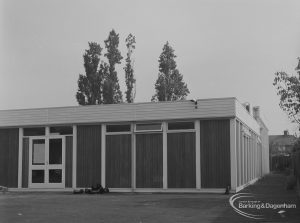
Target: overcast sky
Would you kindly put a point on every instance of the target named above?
(224, 48)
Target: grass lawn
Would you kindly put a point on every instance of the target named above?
(116, 207)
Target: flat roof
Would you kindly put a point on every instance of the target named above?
(119, 104)
(208, 108)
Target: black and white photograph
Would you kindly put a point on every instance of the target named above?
(149, 111)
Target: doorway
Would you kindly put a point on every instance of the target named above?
(47, 162)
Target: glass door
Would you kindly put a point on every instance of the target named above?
(47, 162)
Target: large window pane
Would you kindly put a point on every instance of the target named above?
(55, 151)
(38, 152)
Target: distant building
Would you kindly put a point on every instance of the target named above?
(281, 147)
(281, 144)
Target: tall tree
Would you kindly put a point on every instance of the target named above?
(111, 89)
(129, 72)
(90, 84)
(288, 88)
(169, 85)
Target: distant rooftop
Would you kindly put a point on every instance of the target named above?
(284, 140)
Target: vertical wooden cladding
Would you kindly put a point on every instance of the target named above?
(242, 146)
(118, 161)
(69, 156)
(88, 155)
(25, 162)
(215, 153)
(181, 160)
(149, 160)
(238, 161)
(239, 157)
(252, 156)
(9, 150)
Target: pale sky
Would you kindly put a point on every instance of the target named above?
(225, 48)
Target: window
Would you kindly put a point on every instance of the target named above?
(38, 152)
(38, 176)
(61, 130)
(118, 128)
(180, 125)
(40, 131)
(143, 127)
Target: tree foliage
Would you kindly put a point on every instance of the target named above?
(129, 71)
(89, 85)
(100, 84)
(169, 85)
(111, 89)
(288, 88)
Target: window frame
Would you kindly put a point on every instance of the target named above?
(181, 130)
(145, 123)
(33, 135)
(57, 133)
(118, 133)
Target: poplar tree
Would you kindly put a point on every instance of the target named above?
(129, 71)
(111, 88)
(169, 85)
(90, 85)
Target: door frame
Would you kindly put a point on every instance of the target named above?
(47, 166)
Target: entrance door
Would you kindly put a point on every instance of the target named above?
(47, 162)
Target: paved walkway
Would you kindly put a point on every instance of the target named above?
(66, 207)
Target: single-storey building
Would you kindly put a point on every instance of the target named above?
(200, 145)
